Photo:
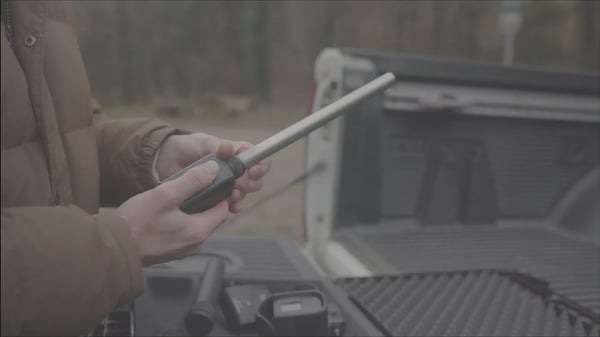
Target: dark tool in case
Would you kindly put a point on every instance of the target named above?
(234, 167)
(289, 313)
(200, 320)
(293, 313)
(198, 302)
(239, 304)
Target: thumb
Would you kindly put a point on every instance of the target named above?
(194, 180)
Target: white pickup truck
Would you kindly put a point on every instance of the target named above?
(464, 200)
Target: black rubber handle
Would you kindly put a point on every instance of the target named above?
(199, 321)
(220, 189)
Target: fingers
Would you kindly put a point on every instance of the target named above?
(241, 146)
(235, 207)
(192, 147)
(185, 149)
(246, 185)
(235, 201)
(255, 172)
(252, 181)
(210, 144)
(225, 150)
(236, 196)
(174, 192)
(180, 189)
(258, 171)
(201, 225)
(206, 222)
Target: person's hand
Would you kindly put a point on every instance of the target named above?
(178, 151)
(161, 230)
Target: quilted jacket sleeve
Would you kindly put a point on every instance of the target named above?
(126, 150)
(63, 270)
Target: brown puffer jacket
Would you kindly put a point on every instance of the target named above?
(63, 265)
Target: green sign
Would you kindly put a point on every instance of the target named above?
(510, 16)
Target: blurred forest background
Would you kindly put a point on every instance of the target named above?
(244, 69)
(264, 50)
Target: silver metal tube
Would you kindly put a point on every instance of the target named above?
(304, 126)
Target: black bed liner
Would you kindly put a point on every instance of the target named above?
(466, 303)
(569, 266)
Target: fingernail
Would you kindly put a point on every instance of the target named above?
(211, 168)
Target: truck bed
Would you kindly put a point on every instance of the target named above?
(460, 166)
(465, 303)
(569, 266)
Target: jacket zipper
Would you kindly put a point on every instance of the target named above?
(7, 20)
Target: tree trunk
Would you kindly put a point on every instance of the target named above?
(255, 48)
(589, 49)
(125, 52)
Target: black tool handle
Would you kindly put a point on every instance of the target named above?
(199, 320)
(219, 190)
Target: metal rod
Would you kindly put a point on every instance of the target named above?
(304, 126)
